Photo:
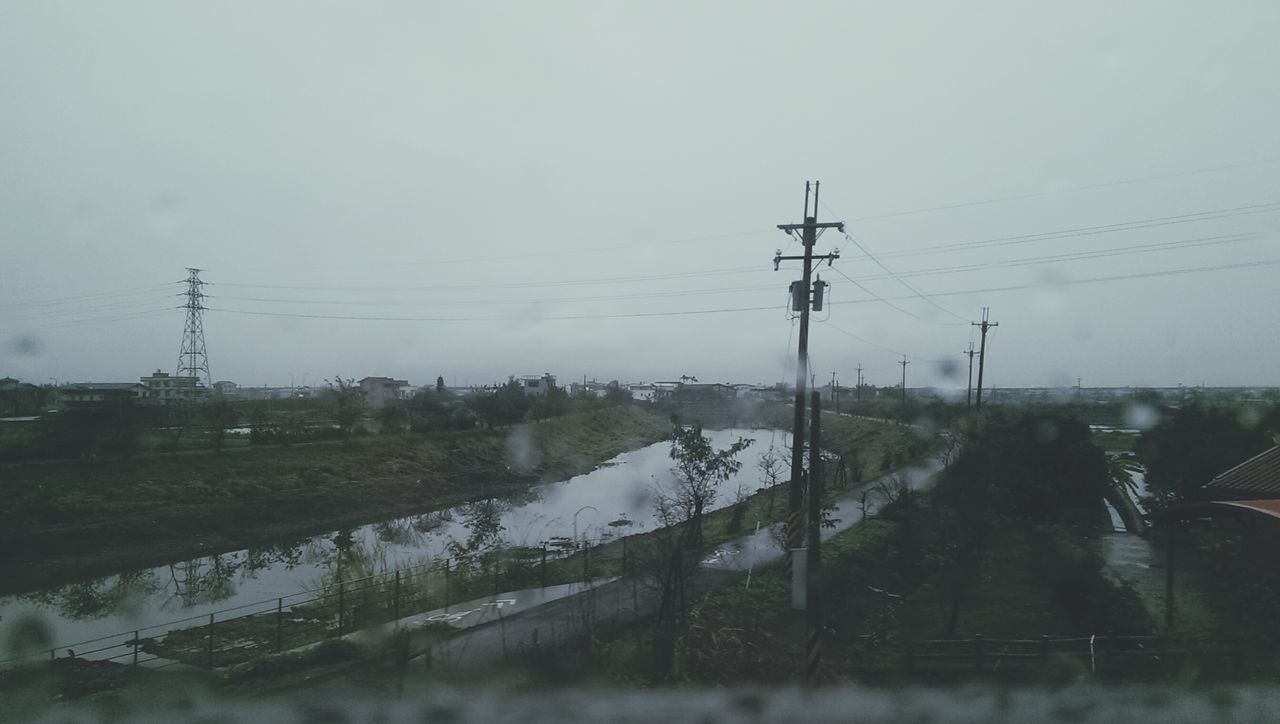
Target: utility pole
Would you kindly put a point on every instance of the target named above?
(982, 353)
(802, 300)
(835, 393)
(904, 364)
(813, 610)
(859, 382)
(968, 392)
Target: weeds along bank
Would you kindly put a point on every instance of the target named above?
(62, 521)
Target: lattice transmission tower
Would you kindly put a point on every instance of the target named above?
(193, 359)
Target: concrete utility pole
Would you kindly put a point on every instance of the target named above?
(813, 640)
(904, 364)
(968, 393)
(835, 392)
(859, 382)
(982, 353)
(802, 299)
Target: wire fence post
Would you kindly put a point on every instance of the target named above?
(397, 603)
(977, 652)
(446, 585)
(137, 644)
(342, 604)
(543, 568)
(1044, 651)
(210, 659)
(279, 624)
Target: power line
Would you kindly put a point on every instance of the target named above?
(1076, 256)
(56, 301)
(856, 281)
(900, 280)
(1094, 230)
(510, 257)
(689, 312)
(594, 281)
(877, 296)
(1070, 189)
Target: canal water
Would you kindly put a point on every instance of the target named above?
(615, 499)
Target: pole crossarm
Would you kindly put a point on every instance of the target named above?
(837, 225)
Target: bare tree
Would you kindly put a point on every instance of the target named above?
(771, 470)
(699, 470)
(348, 404)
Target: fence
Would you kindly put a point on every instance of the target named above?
(1102, 656)
(238, 634)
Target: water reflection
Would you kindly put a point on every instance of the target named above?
(616, 492)
(98, 598)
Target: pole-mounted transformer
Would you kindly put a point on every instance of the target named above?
(798, 296)
(818, 288)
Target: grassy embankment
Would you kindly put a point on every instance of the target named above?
(890, 585)
(67, 520)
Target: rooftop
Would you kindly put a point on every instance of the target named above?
(1257, 477)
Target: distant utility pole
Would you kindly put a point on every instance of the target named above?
(968, 393)
(1078, 381)
(802, 299)
(904, 364)
(982, 353)
(859, 382)
(193, 359)
(835, 392)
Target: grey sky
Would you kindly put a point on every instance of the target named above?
(383, 153)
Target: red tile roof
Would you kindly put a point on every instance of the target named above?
(1257, 477)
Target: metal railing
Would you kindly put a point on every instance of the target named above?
(241, 633)
(1101, 655)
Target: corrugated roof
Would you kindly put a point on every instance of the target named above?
(1266, 507)
(1259, 476)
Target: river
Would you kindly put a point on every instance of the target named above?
(584, 506)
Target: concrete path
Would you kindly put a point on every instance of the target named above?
(502, 632)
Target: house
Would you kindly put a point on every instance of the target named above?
(101, 394)
(18, 398)
(593, 388)
(537, 385)
(664, 389)
(378, 391)
(164, 389)
(227, 389)
(1254, 479)
(644, 393)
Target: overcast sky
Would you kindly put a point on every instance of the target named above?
(509, 185)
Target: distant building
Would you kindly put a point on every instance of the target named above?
(227, 389)
(537, 385)
(644, 393)
(593, 388)
(378, 391)
(165, 389)
(17, 398)
(101, 394)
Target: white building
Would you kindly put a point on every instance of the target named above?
(164, 389)
(644, 393)
(378, 391)
(537, 385)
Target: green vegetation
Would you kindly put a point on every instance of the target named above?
(999, 548)
(64, 519)
(1192, 444)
